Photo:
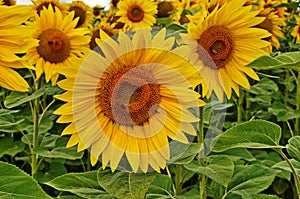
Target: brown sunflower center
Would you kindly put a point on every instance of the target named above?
(135, 13)
(128, 96)
(164, 8)
(216, 42)
(79, 12)
(54, 46)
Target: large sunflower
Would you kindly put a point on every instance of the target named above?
(59, 42)
(224, 41)
(14, 39)
(129, 99)
(137, 13)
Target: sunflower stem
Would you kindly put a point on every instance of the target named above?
(294, 172)
(240, 106)
(178, 184)
(248, 105)
(286, 94)
(200, 137)
(297, 105)
(34, 163)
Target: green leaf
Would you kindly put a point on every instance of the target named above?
(284, 166)
(251, 179)
(16, 184)
(236, 154)
(55, 170)
(124, 184)
(7, 121)
(220, 169)
(16, 98)
(252, 134)
(288, 60)
(10, 147)
(183, 153)
(293, 148)
(58, 152)
(161, 187)
(82, 184)
(259, 196)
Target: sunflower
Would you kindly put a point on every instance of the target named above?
(39, 5)
(181, 6)
(164, 8)
(14, 39)
(137, 13)
(82, 11)
(128, 100)
(224, 42)
(296, 31)
(59, 42)
(104, 26)
(272, 23)
(8, 2)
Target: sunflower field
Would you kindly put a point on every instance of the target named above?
(150, 99)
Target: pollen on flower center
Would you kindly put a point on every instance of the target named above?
(216, 42)
(135, 13)
(54, 46)
(128, 96)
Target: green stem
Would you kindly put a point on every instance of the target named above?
(294, 172)
(248, 105)
(240, 106)
(286, 93)
(200, 136)
(297, 105)
(34, 163)
(178, 185)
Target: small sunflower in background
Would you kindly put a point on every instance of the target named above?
(272, 23)
(296, 31)
(108, 28)
(224, 42)
(82, 11)
(128, 100)
(8, 2)
(164, 8)
(137, 13)
(14, 39)
(59, 42)
(39, 5)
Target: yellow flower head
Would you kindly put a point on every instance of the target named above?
(296, 31)
(224, 42)
(128, 100)
(14, 38)
(137, 13)
(59, 42)
(82, 11)
(39, 5)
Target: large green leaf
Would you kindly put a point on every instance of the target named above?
(82, 184)
(236, 154)
(220, 169)
(16, 98)
(251, 179)
(10, 147)
(58, 152)
(290, 60)
(161, 187)
(124, 184)
(284, 166)
(293, 148)
(252, 134)
(16, 184)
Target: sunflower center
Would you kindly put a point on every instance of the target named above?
(54, 46)
(79, 12)
(128, 96)
(135, 13)
(164, 8)
(216, 42)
